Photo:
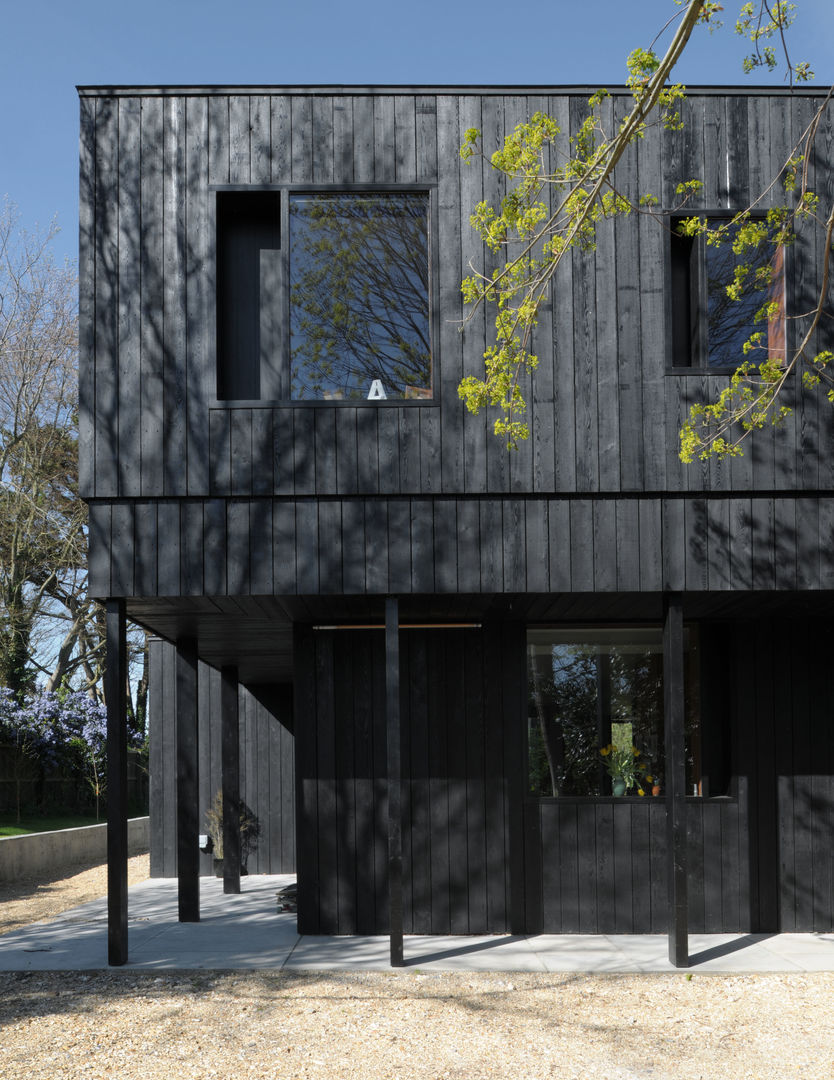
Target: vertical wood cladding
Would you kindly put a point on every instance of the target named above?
(604, 415)
(285, 546)
(267, 778)
(460, 721)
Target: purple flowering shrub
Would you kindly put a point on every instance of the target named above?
(65, 730)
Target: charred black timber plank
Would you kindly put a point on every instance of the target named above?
(323, 140)
(642, 868)
(156, 757)
(260, 547)
(230, 752)
(674, 722)
(115, 681)
(188, 825)
(458, 774)
(86, 293)
(345, 773)
(586, 867)
(106, 298)
(192, 556)
(376, 545)
(129, 455)
(445, 546)
(394, 772)
(388, 439)
(606, 911)
(151, 395)
(473, 689)
(200, 286)
(566, 823)
(623, 869)
(174, 260)
(305, 706)
(168, 570)
(701, 862)
(514, 711)
(496, 812)
(628, 554)
(241, 451)
(731, 892)
(539, 890)
(121, 549)
(329, 713)
(208, 719)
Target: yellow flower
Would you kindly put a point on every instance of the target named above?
(649, 780)
(640, 791)
(635, 751)
(605, 751)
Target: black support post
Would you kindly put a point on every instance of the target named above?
(230, 755)
(674, 710)
(395, 842)
(115, 688)
(188, 824)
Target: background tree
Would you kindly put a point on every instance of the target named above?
(47, 628)
(548, 212)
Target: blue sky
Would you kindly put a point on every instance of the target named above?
(50, 46)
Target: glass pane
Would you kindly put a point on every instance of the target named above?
(731, 322)
(359, 295)
(595, 721)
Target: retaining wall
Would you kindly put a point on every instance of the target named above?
(48, 852)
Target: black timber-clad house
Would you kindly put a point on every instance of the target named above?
(402, 645)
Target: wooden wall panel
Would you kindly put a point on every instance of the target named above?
(267, 780)
(604, 415)
(454, 856)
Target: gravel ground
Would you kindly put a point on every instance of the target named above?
(403, 1025)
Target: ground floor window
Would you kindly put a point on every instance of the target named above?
(595, 719)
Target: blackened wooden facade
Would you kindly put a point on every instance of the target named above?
(269, 531)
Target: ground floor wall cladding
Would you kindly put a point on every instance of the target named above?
(483, 850)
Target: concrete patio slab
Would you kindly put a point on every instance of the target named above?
(247, 932)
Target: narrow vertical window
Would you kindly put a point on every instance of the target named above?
(248, 293)
(709, 327)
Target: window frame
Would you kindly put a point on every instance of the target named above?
(285, 192)
(703, 367)
(694, 627)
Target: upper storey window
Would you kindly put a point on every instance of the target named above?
(359, 296)
(709, 328)
(323, 296)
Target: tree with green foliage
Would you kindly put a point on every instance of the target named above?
(547, 213)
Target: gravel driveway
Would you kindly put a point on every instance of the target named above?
(403, 1025)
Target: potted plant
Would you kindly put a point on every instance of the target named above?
(250, 831)
(624, 767)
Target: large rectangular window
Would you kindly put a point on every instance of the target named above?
(335, 309)
(708, 327)
(595, 721)
(359, 296)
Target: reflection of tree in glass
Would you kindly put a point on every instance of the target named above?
(731, 322)
(359, 287)
(576, 691)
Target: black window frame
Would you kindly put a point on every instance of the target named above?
(685, 316)
(700, 752)
(284, 193)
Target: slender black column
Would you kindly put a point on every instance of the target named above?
(395, 840)
(230, 755)
(188, 824)
(115, 687)
(673, 702)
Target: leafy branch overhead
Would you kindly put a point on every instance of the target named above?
(548, 212)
